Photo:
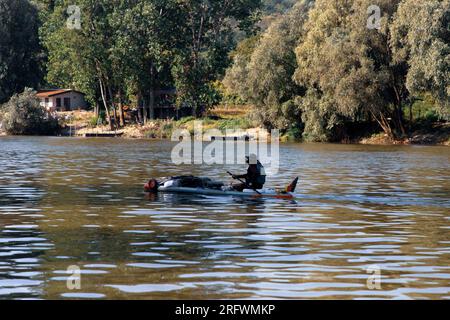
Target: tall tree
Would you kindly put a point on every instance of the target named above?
(127, 49)
(268, 79)
(72, 51)
(145, 33)
(208, 29)
(112, 53)
(20, 51)
(426, 50)
(348, 68)
(236, 75)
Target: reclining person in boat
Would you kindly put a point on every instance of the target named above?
(255, 178)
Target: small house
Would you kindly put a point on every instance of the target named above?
(165, 107)
(62, 100)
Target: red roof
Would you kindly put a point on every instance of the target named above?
(51, 93)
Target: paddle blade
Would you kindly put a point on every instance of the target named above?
(292, 186)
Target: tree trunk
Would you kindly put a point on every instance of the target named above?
(114, 106)
(145, 115)
(152, 104)
(96, 109)
(152, 93)
(194, 109)
(108, 115)
(384, 124)
(386, 127)
(398, 112)
(139, 107)
(121, 114)
(115, 117)
(400, 125)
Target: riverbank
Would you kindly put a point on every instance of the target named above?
(81, 124)
(84, 124)
(433, 134)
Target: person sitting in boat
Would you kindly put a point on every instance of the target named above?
(255, 178)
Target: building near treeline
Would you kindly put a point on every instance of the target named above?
(62, 100)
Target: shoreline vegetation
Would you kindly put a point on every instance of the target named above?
(81, 123)
(289, 65)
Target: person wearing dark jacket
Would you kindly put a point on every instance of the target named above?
(255, 178)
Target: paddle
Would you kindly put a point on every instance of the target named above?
(232, 175)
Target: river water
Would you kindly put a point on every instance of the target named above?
(362, 214)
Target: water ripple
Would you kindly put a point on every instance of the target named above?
(358, 210)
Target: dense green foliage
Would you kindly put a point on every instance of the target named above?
(348, 69)
(19, 47)
(126, 50)
(23, 115)
(317, 71)
(319, 68)
(425, 50)
(263, 69)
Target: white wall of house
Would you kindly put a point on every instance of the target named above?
(75, 101)
(46, 103)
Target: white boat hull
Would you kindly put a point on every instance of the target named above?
(263, 193)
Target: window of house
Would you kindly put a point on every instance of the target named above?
(66, 104)
(58, 102)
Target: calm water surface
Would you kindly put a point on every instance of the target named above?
(79, 202)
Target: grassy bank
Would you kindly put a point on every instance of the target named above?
(223, 118)
(164, 128)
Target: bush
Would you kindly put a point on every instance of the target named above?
(431, 116)
(185, 120)
(233, 124)
(166, 129)
(23, 115)
(294, 134)
(94, 121)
